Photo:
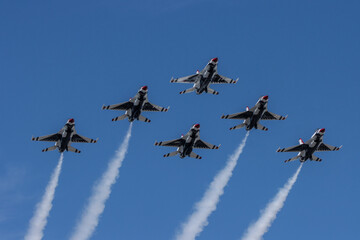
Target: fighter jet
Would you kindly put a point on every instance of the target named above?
(254, 115)
(64, 138)
(134, 107)
(306, 150)
(186, 143)
(203, 79)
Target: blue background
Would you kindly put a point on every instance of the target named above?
(64, 60)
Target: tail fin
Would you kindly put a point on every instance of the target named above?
(188, 90)
(212, 91)
(315, 158)
(171, 154)
(194, 155)
(261, 127)
(238, 126)
(49, 149)
(72, 149)
(144, 119)
(122, 117)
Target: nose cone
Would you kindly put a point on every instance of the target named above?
(322, 130)
(215, 60)
(265, 97)
(197, 126)
(145, 88)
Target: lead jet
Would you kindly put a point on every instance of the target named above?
(64, 138)
(253, 115)
(203, 79)
(186, 143)
(307, 149)
(135, 106)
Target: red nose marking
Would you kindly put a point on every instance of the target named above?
(71, 120)
(197, 125)
(322, 130)
(214, 59)
(265, 97)
(144, 88)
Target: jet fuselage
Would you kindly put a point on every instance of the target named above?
(66, 135)
(140, 99)
(205, 77)
(312, 146)
(261, 107)
(187, 148)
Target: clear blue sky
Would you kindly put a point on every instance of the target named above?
(64, 60)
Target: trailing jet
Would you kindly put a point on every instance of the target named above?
(306, 150)
(203, 79)
(64, 138)
(254, 115)
(186, 143)
(134, 107)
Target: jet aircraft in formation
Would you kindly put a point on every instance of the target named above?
(307, 149)
(64, 138)
(253, 115)
(186, 143)
(135, 106)
(202, 79)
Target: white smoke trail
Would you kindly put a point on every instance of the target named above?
(101, 192)
(39, 220)
(198, 219)
(262, 225)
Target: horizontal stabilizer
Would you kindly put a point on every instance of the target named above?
(144, 119)
(238, 126)
(212, 91)
(292, 159)
(194, 155)
(261, 127)
(72, 149)
(122, 117)
(315, 158)
(49, 149)
(188, 90)
(171, 154)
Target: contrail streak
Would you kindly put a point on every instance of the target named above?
(198, 219)
(257, 230)
(39, 220)
(101, 192)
